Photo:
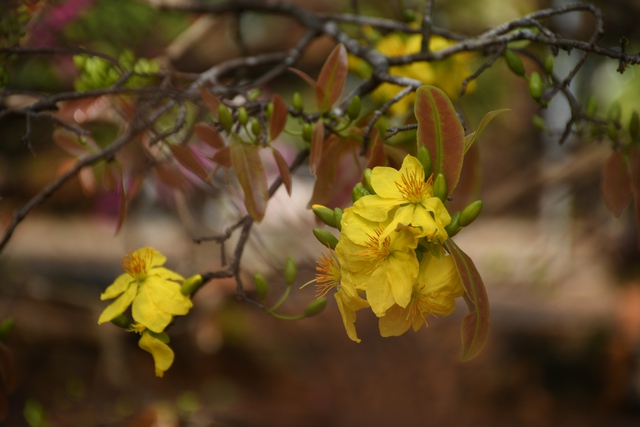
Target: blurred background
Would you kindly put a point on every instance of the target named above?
(562, 274)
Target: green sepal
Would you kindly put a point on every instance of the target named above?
(121, 321)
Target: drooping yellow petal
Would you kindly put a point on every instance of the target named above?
(348, 303)
(118, 307)
(162, 354)
(120, 285)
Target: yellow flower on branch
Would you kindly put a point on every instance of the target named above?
(329, 275)
(434, 293)
(403, 197)
(152, 291)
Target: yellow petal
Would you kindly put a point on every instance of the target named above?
(167, 274)
(166, 295)
(348, 303)
(118, 307)
(162, 354)
(395, 322)
(383, 181)
(146, 312)
(157, 258)
(120, 285)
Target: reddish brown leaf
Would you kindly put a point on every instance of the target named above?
(332, 77)
(186, 158)
(475, 326)
(222, 157)
(439, 129)
(317, 140)
(168, 176)
(87, 181)
(109, 176)
(304, 76)
(470, 180)
(208, 135)
(210, 100)
(252, 177)
(470, 139)
(616, 186)
(69, 142)
(377, 156)
(283, 168)
(278, 117)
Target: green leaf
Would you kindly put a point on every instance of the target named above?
(249, 169)
(616, 184)
(278, 117)
(475, 326)
(439, 130)
(332, 77)
(473, 136)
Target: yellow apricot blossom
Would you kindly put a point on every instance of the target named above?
(329, 275)
(434, 293)
(384, 267)
(403, 197)
(152, 291)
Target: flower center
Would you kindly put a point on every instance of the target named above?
(137, 263)
(327, 274)
(413, 187)
(374, 250)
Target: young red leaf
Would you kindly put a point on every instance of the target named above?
(475, 326)
(222, 157)
(208, 135)
(439, 129)
(210, 100)
(283, 168)
(186, 158)
(332, 77)
(69, 142)
(278, 117)
(249, 169)
(169, 176)
(317, 141)
(470, 181)
(377, 156)
(304, 76)
(616, 184)
(473, 136)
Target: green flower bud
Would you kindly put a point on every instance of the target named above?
(122, 321)
(367, 181)
(358, 192)
(191, 284)
(297, 103)
(256, 129)
(325, 214)
(615, 112)
(243, 116)
(307, 132)
(225, 118)
(315, 307)
(337, 214)
(548, 64)
(454, 226)
(269, 110)
(634, 125)
(538, 122)
(535, 85)
(514, 62)
(353, 111)
(470, 213)
(592, 106)
(290, 271)
(254, 94)
(409, 15)
(325, 237)
(425, 160)
(440, 187)
(262, 286)
(6, 327)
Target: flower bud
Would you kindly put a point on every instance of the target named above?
(353, 111)
(325, 237)
(425, 160)
(307, 132)
(290, 271)
(470, 213)
(243, 116)
(337, 214)
(254, 94)
(256, 129)
(262, 286)
(191, 284)
(440, 187)
(454, 226)
(367, 181)
(225, 118)
(514, 62)
(269, 110)
(358, 192)
(315, 307)
(535, 85)
(548, 64)
(121, 321)
(325, 214)
(297, 103)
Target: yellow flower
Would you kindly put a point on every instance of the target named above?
(435, 291)
(152, 291)
(384, 267)
(407, 199)
(157, 345)
(330, 276)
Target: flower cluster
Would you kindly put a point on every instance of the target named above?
(155, 296)
(390, 255)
